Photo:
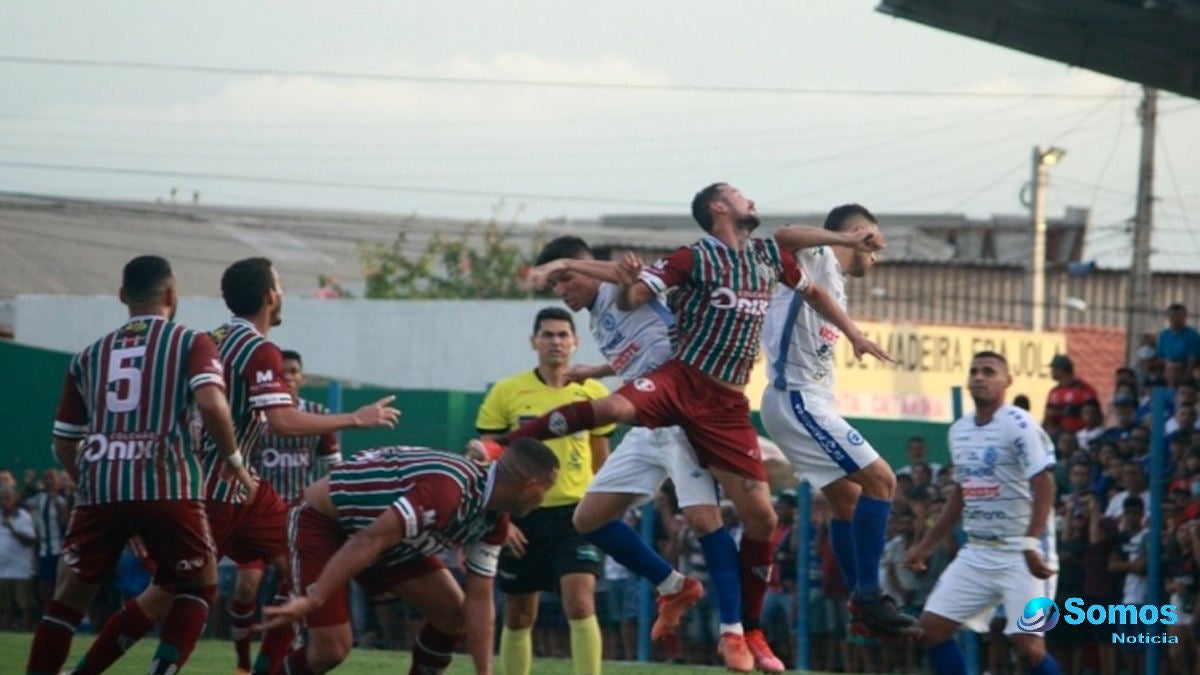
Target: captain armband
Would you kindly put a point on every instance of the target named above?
(483, 559)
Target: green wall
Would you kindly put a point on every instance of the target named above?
(32, 381)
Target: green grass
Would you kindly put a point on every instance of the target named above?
(216, 656)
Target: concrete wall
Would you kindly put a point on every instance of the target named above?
(448, 345)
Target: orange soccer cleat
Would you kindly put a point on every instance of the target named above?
(764, 659)
(671, 608)
(734, 653)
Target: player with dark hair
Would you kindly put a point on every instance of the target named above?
(721, 287)
(244, 526)
(381, 519)
(799, 411)
(1004, 470)
(122, 433)
(288, 464)
(545, 553)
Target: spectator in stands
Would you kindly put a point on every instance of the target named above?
(1072, 545)
(1124, 417)
(1145, 354)
(1185, 417)
(917, 450)
(1108, 471)
(906, 586)
(1093, 424)
(778, 614)
(1179, 343)
(1133, 484)
(17, 538)
(50, 513)
(1129, 559)
(1022, 402)
(1065, 401)
(621, 587)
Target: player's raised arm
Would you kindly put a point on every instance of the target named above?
(545, 275)
(291, 421)
(820, 300)
(794, 237)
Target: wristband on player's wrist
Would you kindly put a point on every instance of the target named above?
(1031, 544)
(234, 460)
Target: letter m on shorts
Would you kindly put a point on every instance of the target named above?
(263, 376)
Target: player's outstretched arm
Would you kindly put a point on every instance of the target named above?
(480, 613)
(581, 372)
(1042, 486)
(826, 306)
(633, 292)
(918, 555)
(794, 237)
(218, 422)
(353, 557)
(546, 274)
(291, 421)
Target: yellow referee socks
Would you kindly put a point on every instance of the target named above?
(516, 649)
(586, 645)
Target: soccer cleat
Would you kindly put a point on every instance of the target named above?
(241, 671)
(671, 608)
(734, 653)
(881, 617)
(764, 659)
(484, 450)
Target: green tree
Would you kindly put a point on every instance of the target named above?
(483, 262)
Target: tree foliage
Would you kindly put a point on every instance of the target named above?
(483, 262)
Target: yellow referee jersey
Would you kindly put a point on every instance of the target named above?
(520, 398)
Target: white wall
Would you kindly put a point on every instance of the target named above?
(457, 345)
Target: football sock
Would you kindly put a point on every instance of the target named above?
(841, 536)
(870, 532)
(754, 570)
(52, 640)
(618, 540)
(586, 645)
(555, 424)
(947, 658)
(516, 650)
(120, 632)
(721, 554)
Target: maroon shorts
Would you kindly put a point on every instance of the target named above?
(174, 532)
(716, 419)
(256, 530)
(315, 539)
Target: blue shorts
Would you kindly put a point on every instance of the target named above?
(47, 568)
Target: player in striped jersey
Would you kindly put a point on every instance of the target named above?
(382, 519)
(721, 285)
(122, 434)
(244, 527)
(288, 464)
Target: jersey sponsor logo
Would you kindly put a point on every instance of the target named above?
(980, 491)
(644, 384)
(984, 514)
(622, 359)
(746, 302)
(974, 471)
(124, 447)
(189, 564)
(272, 458)
(828, 334)
(264, 376)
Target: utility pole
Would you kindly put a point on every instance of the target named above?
(1043, 158)
(1139, 301)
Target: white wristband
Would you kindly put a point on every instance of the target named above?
(234, 460)
(1031, 544)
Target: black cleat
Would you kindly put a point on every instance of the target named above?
(880, 617)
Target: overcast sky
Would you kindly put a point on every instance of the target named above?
(767, 95)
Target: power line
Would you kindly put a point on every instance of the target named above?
(416, 189)
(512, 82)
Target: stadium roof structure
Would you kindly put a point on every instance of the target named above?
(1154, 42)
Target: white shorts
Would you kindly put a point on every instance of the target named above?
(969, 592)
(646, 457)
(821, 446)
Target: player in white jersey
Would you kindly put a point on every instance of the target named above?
(634, 343)
(1003, 467)
(800, 413)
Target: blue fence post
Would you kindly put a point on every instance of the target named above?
(970, 638)
(645, 596)
(1158, 453)
(804, 554)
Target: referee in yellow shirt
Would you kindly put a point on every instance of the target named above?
(544, 548)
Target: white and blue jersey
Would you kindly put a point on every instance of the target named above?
(993, 464)
(799, 408)
(634, 343)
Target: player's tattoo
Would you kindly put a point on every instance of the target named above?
(750, 486)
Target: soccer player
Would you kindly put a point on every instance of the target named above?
(122, 434)
(1003, 466)
(288, 464)
(634, 343)
(245, 527)
(800, 413)
(722, 284)
(382, 518)
(545, 552)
